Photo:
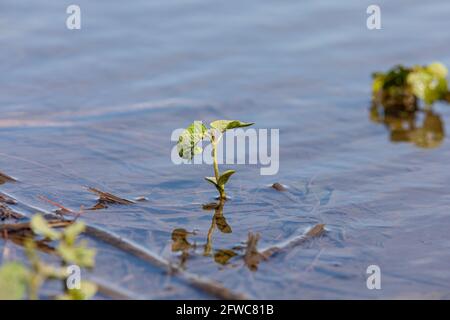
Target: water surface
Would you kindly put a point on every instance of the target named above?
(96, 107)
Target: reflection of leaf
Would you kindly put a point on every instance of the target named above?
(431, 134)
(224, 125)
(179, 240)
(222, 224)
(210, 206)
(40, 226)
(222, 256)
(13, 281)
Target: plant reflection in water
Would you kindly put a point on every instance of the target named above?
(249, 253)
(422, 127)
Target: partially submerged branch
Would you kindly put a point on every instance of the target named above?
(5, 178)
(106, 198)
(253, 256)
(208, 286)
(8, 213)
(316, 231)
(7, 199)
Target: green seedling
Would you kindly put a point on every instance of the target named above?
(16, 279)
(188, 147)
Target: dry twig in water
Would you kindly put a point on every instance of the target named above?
(106, 198)
(7, 199)
(314, 232)
(5, 178)
(208, 286)
(7, 213)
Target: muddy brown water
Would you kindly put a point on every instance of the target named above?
(96, 108)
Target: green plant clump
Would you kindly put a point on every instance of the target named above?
(18, 281)
(427, 83)
(188, 146)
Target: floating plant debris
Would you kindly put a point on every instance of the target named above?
(106, 198)
(401, 86)
(316, 231)
(61, 209)
(396, 97)
(25, 226)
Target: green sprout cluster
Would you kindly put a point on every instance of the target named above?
(188, 147)
(402, 84)
(18, 281)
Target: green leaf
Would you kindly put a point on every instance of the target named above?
(40, 226)
(73, 231)
(437, 69)
(80, 255)
(52, 272)
(378, 82)
(224, 125)
(13, 281)
(189, 138)
(426, 85)
(211, 180)
(396, 77)
(87, 291)
(223, 179)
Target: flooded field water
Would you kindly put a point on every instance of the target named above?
(96, 108)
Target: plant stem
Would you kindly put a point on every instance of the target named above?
(221, 189)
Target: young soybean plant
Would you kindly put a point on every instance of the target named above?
(188, 147)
